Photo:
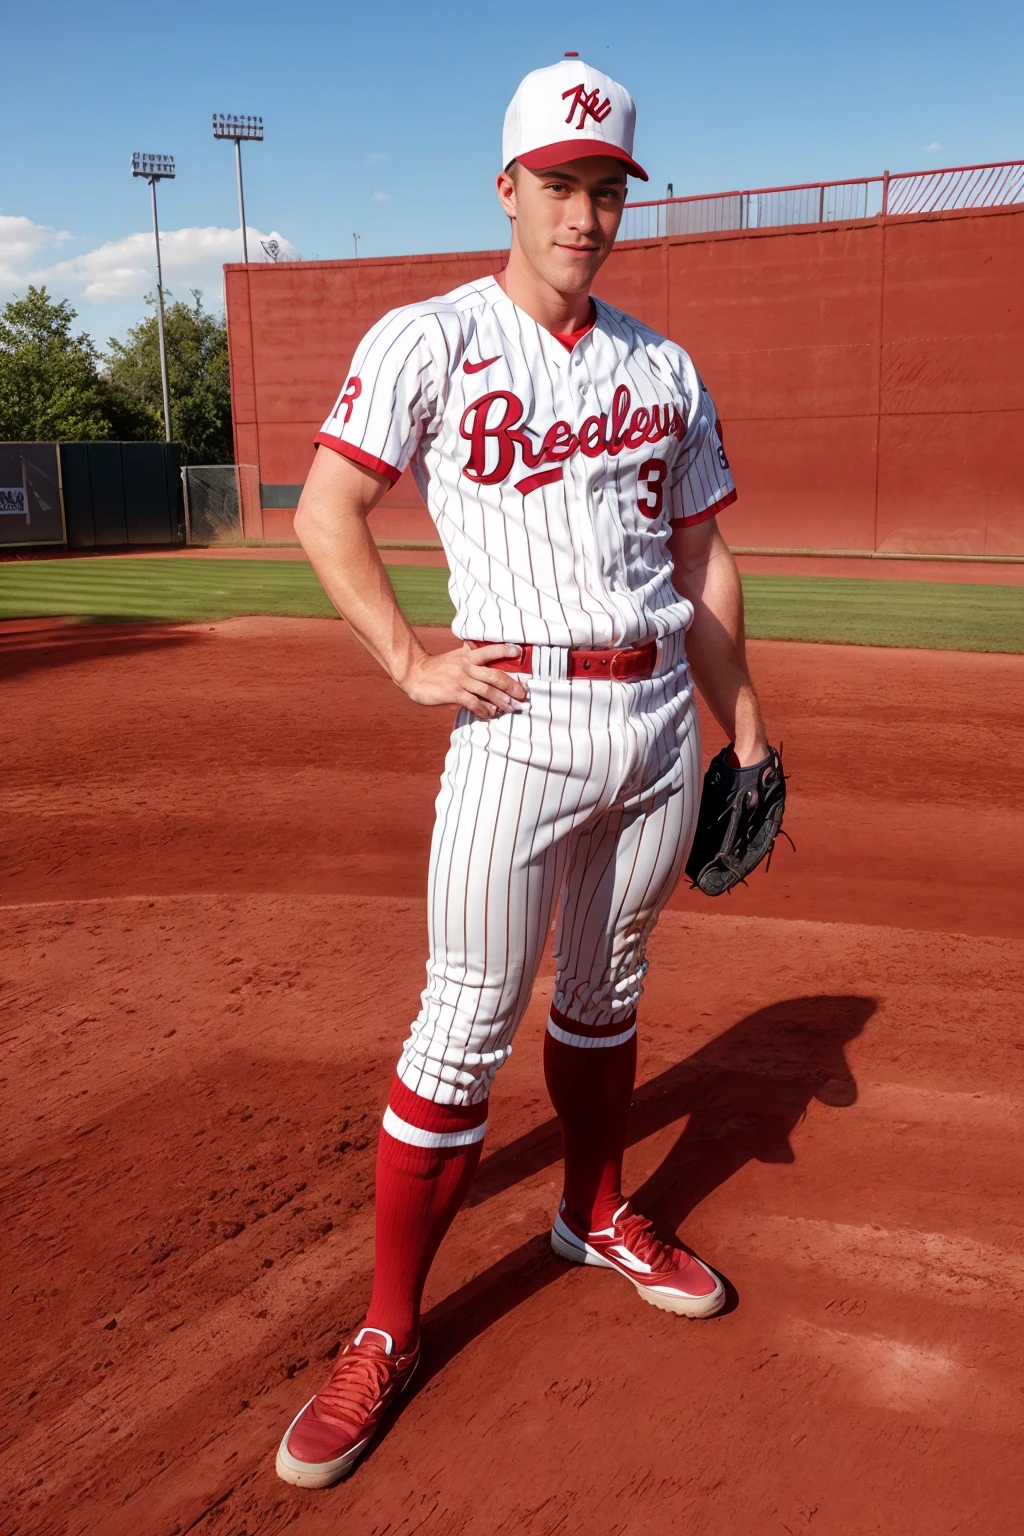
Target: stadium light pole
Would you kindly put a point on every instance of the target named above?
(154, 168)
(227, 125)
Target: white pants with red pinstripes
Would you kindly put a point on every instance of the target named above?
(585, 799)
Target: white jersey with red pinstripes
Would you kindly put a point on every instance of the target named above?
(552, 477)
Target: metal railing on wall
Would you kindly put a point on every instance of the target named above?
(1000, 184)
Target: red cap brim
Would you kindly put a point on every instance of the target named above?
(578, 149)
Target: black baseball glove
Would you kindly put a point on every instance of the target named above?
(739, 819)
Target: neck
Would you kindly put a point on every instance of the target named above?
(555, 311)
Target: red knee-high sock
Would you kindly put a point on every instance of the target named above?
(591, 1087)
(426, 1158)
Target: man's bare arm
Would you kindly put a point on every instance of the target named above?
(331, 527)
(704, 571)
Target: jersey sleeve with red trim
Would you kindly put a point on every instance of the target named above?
(702, 484)
(391, 395)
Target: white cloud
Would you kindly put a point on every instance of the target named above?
(381, 197)
(375, 157)
(125, 268)
(933, 148)
(20, 242)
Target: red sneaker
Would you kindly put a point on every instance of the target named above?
(666, 1276)
(326, 1438)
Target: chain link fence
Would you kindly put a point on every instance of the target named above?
(828, 202)
(222, 504)
(975, 186)
(822, 203)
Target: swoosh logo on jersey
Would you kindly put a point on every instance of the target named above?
(469, 367)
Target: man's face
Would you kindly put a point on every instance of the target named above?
(566, 219)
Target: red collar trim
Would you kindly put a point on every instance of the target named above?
(568, 339)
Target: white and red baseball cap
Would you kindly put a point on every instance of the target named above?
(566, 112)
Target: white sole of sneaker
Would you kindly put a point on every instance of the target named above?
(568, 1246)
(315, 1474)
(324, 1474)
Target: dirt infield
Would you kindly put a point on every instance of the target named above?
(213, 857)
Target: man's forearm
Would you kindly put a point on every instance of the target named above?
(331, 526)
(715, 645)
(334, 533)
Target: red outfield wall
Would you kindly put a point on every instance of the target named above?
(869, 375)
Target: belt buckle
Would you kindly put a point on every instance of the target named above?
(636, 661)
(623, 664)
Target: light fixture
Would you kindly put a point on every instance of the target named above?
(228, 125)
(154, 168)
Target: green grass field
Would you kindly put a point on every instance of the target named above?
(196, 590)
(836, 610)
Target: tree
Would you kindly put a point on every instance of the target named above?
(197, 369)
(57, 387)
(51, 388)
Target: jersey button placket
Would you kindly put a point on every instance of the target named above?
(583, 467)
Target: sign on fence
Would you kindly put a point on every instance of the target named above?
(14, 499)
(31, 506)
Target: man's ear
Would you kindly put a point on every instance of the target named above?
(506, 189)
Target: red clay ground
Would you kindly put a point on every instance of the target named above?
(214, 848)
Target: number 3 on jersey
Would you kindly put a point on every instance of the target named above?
(650, 486)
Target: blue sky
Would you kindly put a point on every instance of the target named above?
(386, 119)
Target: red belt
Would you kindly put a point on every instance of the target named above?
(624, 663)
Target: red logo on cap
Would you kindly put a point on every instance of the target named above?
(587, 104)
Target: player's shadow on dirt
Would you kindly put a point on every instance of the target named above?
(744, 1093)
(28, 646)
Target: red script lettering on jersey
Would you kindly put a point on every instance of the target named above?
(495, 417)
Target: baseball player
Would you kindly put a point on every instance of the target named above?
(569, 457)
